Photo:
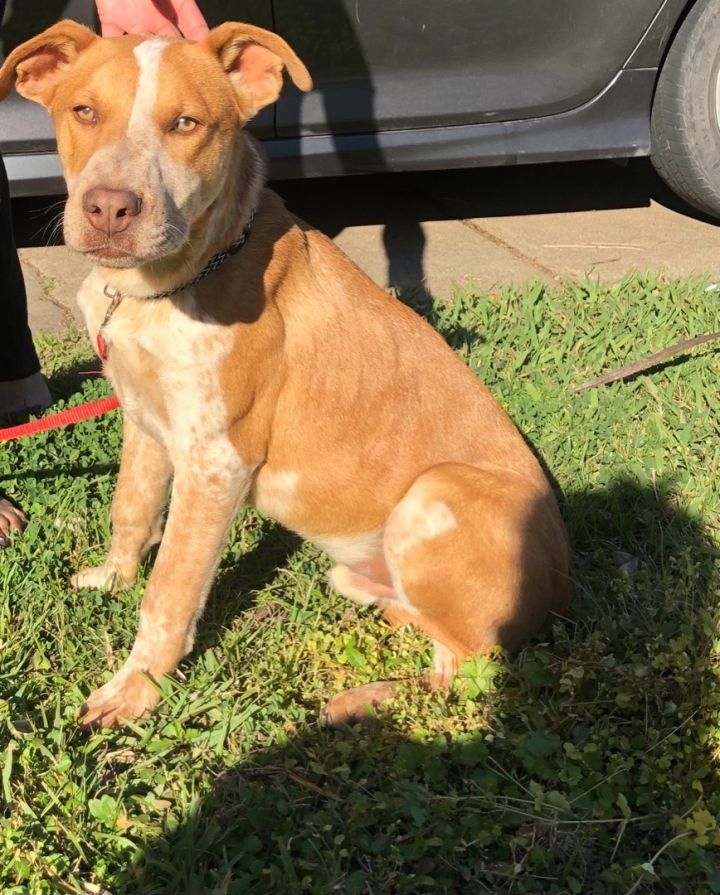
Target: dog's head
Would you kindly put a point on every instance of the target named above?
(146, 127)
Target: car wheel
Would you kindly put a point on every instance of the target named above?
(686, 110)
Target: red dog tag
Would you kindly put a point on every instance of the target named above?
(101, 346)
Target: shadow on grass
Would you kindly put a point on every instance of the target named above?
(65, 384)
(67, 381)
(591, 754)
(97, 469)
(239, 578)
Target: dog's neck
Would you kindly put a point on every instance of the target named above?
(217, 228)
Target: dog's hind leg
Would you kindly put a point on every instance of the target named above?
(359, 587)
(479, 557)
(136, 512)
(368, 584)
(476, 558)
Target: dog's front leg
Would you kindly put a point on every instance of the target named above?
(136, 513)
(202, 508)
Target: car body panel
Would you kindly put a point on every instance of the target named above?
(443, 114)
(420, 63)
(614, 125)
(651, 50)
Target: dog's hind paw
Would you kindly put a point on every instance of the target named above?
(357, 705)
(106, 577)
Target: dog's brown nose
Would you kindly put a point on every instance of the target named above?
(111, 210)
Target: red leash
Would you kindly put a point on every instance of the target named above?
(63, 418)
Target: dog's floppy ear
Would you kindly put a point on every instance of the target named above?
(37, 66)
(254, 60)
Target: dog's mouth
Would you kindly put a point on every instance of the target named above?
(109, 253)
(144, 238)
(112, 256)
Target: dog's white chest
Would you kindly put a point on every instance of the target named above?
(165, 363)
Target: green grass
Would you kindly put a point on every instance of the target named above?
(586, 764)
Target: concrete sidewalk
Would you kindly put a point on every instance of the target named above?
(489, 227)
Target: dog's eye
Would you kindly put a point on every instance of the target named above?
(184, 125)
(86, 114)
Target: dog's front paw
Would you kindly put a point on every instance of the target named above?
(128, 695)
(107, 577)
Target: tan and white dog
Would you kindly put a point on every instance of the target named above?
(284, 377)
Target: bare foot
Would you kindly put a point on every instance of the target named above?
(11, 519)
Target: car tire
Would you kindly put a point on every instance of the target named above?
(686, 110)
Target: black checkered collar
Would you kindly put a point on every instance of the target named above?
(216, 261)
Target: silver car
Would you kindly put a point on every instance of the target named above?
(423, 84)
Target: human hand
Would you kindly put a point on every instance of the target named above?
(170, 18)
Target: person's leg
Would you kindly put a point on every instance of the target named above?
(21, 384)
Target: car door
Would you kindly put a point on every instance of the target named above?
(433, 63)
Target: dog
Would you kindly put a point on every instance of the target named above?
(254, 362)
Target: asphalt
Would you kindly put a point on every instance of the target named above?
(430, 231)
